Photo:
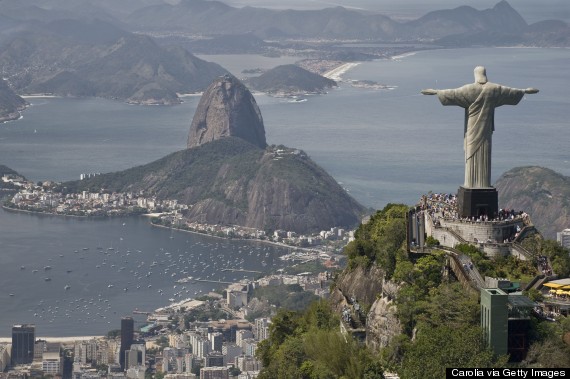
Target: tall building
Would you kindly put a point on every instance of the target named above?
(23, 340)
(563, 238)
(216, 340)
(214, 373)
(127, 336)
(262, 328)
(243, 335)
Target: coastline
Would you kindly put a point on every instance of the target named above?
(280, 244)
(150, 215)
(11, 117)
(336, 73)
(9, 209)
(55, 339)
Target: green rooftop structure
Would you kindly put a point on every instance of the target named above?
(494, 319)
(505, 320)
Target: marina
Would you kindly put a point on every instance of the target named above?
(124, 266)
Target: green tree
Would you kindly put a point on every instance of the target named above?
(380, 239)
(437, 348)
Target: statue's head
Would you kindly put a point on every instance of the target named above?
(480, 75)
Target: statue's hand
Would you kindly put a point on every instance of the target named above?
(429, 92)
(531, 90)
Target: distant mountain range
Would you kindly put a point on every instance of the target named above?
(542, 193)
(95, 58)
(462, 26)
(83, 48)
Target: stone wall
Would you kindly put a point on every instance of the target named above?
(482, 232)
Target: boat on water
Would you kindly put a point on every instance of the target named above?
(47, 279)
(12, 294)
(22, 267)
(46, 268)
(67, 286)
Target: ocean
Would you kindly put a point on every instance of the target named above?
(382, 145)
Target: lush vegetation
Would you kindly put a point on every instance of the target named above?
(211, 310)
(442, 316)
(558, 256)
(500, 267)
(170, 177)
(440, 320)
(291, 297)
(290, 79)
(4, 170)
(380, 240)
(308, 345)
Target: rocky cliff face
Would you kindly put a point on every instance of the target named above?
(362, 284)
(382, 324)
(369, 289)
(542, 193)
(227, 108)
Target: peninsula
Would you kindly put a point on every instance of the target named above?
(229, 176)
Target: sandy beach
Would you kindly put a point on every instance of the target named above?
(336, 73)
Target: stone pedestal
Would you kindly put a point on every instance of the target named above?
(475, 202)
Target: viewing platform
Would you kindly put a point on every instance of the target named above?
(437, 216)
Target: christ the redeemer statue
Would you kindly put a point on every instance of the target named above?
(479, 100)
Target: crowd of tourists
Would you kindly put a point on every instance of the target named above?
(444, 205)
(544, 265)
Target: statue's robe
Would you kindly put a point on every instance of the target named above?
(479, 101)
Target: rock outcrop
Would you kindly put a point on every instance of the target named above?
(540, 192)
(367, 287)
(290, 80)
(10, 103)
(227, 108)
(362, 284)
(229, 176)
(382, 324)
(229, 181)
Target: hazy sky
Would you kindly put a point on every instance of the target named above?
(531, 10)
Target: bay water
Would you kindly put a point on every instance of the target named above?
(381, 145)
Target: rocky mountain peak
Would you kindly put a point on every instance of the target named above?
(227, 108)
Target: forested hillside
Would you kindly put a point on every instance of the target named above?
(440, 319)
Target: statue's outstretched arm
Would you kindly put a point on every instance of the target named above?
(531, 90)
(430, 92)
